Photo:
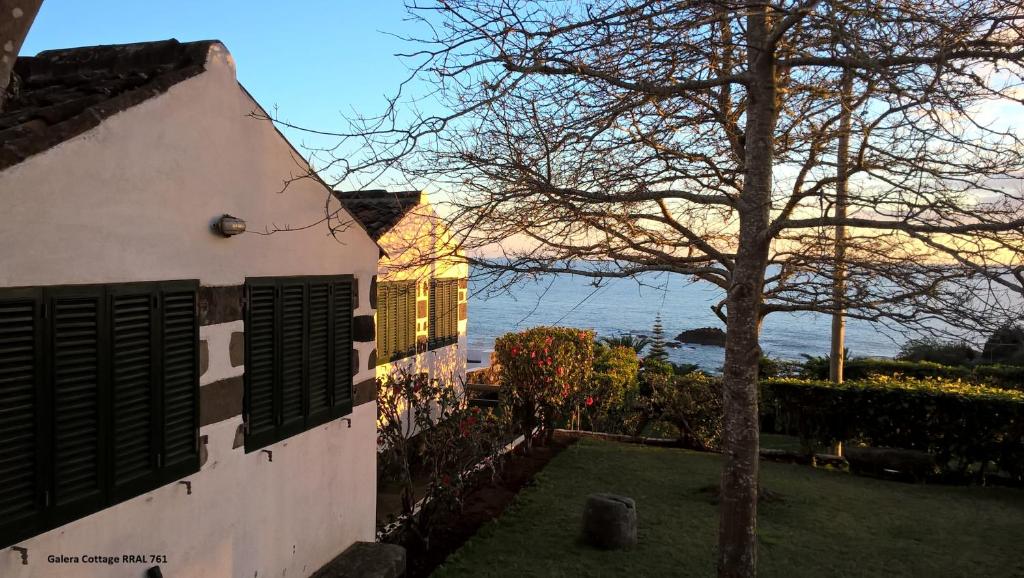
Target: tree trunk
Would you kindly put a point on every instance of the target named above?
(837, 358)
(16, 18)
(737, 534)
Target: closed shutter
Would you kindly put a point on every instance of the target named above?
(299, 355)
(260, 363)
(97, 384)
(383, 324)
(77, 416)
(180, 380)
(394, 346)
(134, 387)
(453, 311)
(292, 356)
(409, 318)
(320, 387)
(22, 467)
(432, 328)
(342, 336)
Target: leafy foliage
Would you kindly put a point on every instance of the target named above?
(612, 384)
(1005, 345)
(935, 351)
(635, 342)
(426, 429)
(860, 368)
(966, 426)
(544, 373)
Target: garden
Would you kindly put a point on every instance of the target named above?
(871, 476)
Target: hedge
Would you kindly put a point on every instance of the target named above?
(863, 368)
(963, 425)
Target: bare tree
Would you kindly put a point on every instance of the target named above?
(702, 138)
(16, 17)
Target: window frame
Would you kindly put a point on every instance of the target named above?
(337, 407)
(47, 514)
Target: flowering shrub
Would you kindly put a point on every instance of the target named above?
(544, 372)
(427, 431)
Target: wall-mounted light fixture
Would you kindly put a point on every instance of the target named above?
(228, 226)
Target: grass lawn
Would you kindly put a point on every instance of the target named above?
(829, 523)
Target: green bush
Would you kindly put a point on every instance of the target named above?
(963, 425)
(935, 351)
(613, 381)
(544, 371)
(860, 368)
(1005, 345)
(1006, 376)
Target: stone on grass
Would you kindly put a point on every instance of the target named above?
(609, 521)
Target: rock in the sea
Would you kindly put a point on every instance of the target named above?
(609, 521)
(703, 336)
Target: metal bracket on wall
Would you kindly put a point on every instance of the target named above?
(270, 455)
(23, 552)
(347, 420)
(188, 486)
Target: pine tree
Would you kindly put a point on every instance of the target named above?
(658, 350)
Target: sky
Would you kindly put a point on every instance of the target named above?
(311, 59)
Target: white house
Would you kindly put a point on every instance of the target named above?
(422, 284)
(169, 395)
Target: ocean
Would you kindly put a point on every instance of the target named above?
(630, 306)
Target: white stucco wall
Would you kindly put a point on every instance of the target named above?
(132, 200)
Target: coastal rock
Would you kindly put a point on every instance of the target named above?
(703, 336)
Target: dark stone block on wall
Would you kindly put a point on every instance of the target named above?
(463, 313)
(372, 360)
(204, 356)
(220, 400)
(236, 349)
(220, 304)
(364, 392)
(373, 292)
(355, 361)
(363, 328)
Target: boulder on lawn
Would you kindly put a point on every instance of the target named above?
(703, 336)
(609, 521)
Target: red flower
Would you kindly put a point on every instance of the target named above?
(533, 354)
(560, 369)
(590, 400)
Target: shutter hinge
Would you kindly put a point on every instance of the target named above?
(44, 309)
(46, 498)
(160, 460)
(245, 425)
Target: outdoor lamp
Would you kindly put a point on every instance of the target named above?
(229, 226)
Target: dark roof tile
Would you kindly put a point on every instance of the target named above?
(378, 210)
(59, 94)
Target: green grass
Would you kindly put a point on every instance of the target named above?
(828, 524)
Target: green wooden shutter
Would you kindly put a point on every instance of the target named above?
(292, 357)
(319, 371)
(134, 367)
(180, 372)
(342, 343)
(432, 333)
(260, 364)
(453, 312)
(78, 416)
(22, 425)
(410, 317)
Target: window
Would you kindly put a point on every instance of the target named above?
(99, 398)
(298, 355)
(444, 312)
(396, 320)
